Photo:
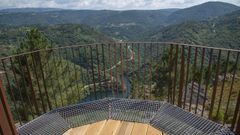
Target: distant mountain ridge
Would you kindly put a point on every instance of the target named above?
(125, 25)
(25, 10)
(15, 16)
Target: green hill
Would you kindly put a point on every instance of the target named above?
(221, 32)
(203, 11)
(60, 35)
(65, 34)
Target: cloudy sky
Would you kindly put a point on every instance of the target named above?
(106, 4)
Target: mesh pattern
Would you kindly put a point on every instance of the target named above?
(85, 113)
(47, 124)
(174, 120)
(223, 131)
(134, 110)
(164, 116)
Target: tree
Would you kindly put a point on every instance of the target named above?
(44, 80)
(23, 85)
(162, 78)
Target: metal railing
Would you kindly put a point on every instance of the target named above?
(203, 80)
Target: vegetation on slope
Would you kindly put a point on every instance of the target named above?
(43, 79)
(203, 11)
(60, 35)
(220, 32)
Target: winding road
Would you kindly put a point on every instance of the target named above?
(126, 82)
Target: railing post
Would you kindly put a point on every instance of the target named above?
(237, 132)
(7, 126)
(182, 71)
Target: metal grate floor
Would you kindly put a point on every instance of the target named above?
(160, 115)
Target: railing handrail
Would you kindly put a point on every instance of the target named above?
(93, 44)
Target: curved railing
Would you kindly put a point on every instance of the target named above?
(203, 80)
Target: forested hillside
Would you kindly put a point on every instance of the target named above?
(60, 35)
(200, 12)
(223, 31)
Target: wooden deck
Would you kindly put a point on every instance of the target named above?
(114, 127)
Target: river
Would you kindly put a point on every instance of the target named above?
(111, 93)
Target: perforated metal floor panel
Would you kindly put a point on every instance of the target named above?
(161, 115)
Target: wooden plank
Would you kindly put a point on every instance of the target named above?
(79, 130)
(110, 127)
(129, 128)
(118, 128)
(139, 129)
(95, 128)
(114, 127)
(153, 131)
(125, 128)
(68, 132)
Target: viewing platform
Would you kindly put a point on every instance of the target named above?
(140, 88)
(121, 117)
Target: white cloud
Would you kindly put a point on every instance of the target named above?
(106, 4)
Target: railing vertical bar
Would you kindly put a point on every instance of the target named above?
(215, 86)
(51, 83)
(175, 74)
(44, 83)
(88, 72)
(33, 94)
(126, 49)
(99, 71)
(64, 57)
(223, 83)
(57, 77)
(170, 74)
(75, 73)
(127, 65)
(132, 62)
(236, 112)
(200, 78)
(208, 76)
(181, 82)
(150, 68)
(138, 76)
(237, 132)
(110, 68)
(116, 70)
(231, 88)
(25, 87)
(122, 74)
(194, 70)
(67, 58)
(63, 77)
(19, 89)
(144, 69)
(104, 69)
(187, 75)
(93, 74)
(83, 80)
(11, 90)
(18, 86)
